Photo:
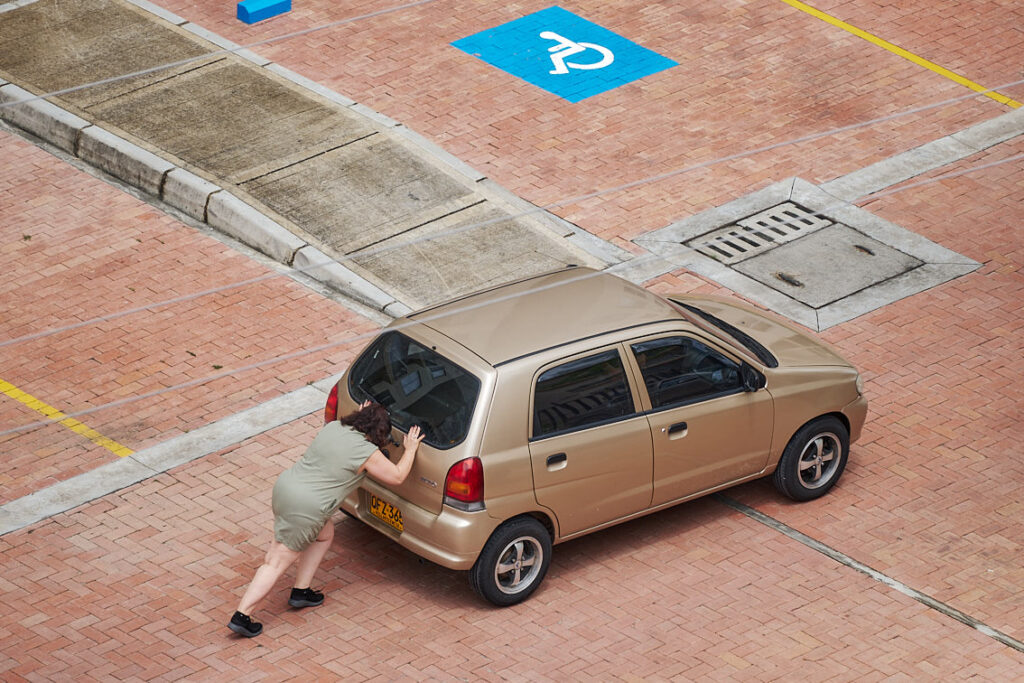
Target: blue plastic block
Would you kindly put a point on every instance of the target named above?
(251, 11)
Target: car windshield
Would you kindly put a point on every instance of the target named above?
(755, 347)
(418, 386)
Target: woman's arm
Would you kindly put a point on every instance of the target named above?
(394, 473)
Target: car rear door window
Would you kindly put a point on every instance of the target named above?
(679, 370)
(581, 393)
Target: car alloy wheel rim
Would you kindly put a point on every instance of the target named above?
(518, 565)
(819, 460)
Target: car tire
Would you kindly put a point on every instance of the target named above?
(814, 459)
(513, 562)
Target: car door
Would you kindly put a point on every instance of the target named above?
(707, 430)
(590, 448)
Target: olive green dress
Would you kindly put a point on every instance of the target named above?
(308, 493)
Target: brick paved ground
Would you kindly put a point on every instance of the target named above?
(75, 248)
(138, 584)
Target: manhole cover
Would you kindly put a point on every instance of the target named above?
(805, 254)
(827, 266)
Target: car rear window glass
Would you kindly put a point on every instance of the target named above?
(681, 370)
(581, 393)
(418, 386)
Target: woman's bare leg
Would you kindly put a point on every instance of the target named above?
(311, 557)
(278, 559)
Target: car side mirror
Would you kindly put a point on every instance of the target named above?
(751, 378)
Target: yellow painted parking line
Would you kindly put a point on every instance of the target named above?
(74, 425)
(895, 49)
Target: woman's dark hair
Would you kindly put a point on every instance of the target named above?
(373, 421)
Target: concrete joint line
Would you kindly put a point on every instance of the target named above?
(303, 160)
(848, 561)
(78, 141)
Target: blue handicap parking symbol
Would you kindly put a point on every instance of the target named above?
(564, 54)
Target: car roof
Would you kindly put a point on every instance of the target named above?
(524, 317)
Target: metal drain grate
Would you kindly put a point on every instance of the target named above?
(758, 233)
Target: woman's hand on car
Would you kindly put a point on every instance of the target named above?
(394, 473)
(413, 438)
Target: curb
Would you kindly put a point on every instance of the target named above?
(145, 464)
(182, 190)
(926, 157)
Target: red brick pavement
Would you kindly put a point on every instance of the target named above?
(751, 74)
(76, 248)
(139, 585)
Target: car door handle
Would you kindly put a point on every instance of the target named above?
(677, 431)
(556, 459)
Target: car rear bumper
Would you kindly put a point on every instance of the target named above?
(452, 539)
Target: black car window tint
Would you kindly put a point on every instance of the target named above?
(418, 386)
(581, 393)
(682, 370)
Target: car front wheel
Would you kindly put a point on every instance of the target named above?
(813, 460)
(513, 562)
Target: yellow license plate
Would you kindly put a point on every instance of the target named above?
(386, 512)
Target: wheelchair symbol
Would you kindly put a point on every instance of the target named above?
(567, 48)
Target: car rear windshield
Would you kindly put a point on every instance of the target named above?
(418, 386)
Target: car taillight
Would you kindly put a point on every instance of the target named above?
(331, 409)
(464, 485)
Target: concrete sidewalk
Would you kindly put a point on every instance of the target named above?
(288, 167)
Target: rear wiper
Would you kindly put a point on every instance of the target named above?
(758, 349)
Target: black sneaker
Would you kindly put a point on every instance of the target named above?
(305, 597)
(243, 625)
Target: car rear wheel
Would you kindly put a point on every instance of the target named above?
(513, 562)
(813, 460)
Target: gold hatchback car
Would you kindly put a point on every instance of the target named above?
(566, 403)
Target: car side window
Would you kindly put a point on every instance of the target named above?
(581, 393)
(680, 370)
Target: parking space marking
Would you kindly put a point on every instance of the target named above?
(554, 49)
(71, 423)
(895, 49)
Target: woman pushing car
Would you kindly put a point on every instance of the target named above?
(309, 492)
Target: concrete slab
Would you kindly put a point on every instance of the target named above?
(898, 168)
(355, 196)
(827, 265)
(464, 251)
(98, 40)
(233, 121)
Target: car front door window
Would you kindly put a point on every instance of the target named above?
(679, 370)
